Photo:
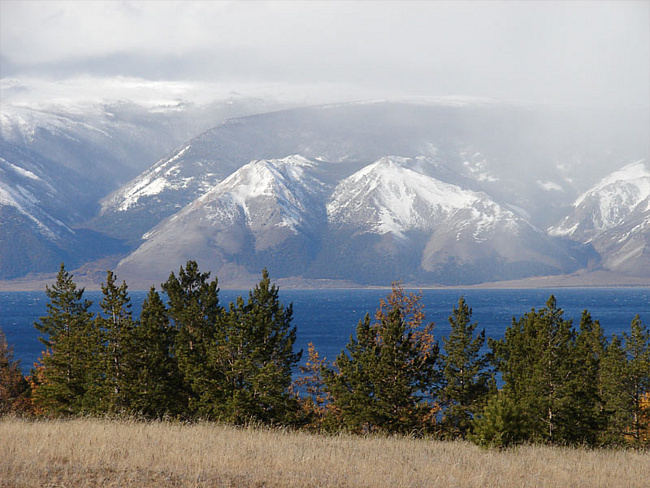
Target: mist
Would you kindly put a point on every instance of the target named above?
(587, 54)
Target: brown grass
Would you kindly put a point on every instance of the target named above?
(93, 453)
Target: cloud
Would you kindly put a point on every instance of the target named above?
(584, 52)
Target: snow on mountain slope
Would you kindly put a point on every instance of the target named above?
(267, 207)
(26, 204)
(467, 199)
(614, 217)
(22, 124)
(388, 216)
(608, 204)
(30, 237)
(266, 194)
(510, 152)
(387, 197)
(58, 161)
(448, 139)
(83, 153)
(152, 182)
(287, 184)
(384, 219)
(626, 247)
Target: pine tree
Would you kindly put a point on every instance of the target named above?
(253, 354)
(385, 378)
(617, 403)
(637, 381)
(119, 354)
(158, 381)
(500, 424)
(196, 314)
(536, 361)
(72, 346)
(584, 400)
(467, 379)
(14, 388)
(350, 382)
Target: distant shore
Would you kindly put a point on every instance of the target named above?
(594, 279)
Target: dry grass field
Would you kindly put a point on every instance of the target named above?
(104, 453)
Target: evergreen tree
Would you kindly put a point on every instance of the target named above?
(501, 423)
(625, 385)
(584, 400)
(617, 403)
(253, 354)
(536, 361)
(385, 379)
(119, 354)
(158, 382)
(72, 346)
(196, 314)
(467, 379)
(350, 382)
(14, 388)
(637, 380)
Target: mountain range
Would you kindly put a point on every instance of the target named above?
(450, 192)
(57, 161)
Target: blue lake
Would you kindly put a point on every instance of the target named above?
(328, 317)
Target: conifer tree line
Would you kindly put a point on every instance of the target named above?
(188, 357)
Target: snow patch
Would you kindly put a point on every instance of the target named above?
(20, 171)
(23, 202)
(550, 186)
(477, 168)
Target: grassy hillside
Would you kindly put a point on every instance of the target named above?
(90, 453)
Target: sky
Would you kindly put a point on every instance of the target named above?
(561, 52)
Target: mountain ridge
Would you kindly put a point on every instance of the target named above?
(384, 215)
(477, 191)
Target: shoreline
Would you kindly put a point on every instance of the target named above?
(593, 279)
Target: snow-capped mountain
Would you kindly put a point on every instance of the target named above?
(388, 197)
(58, 161)
(464, 202)
(268, 210)
(607, 204)
(387, 218)
(614, 217)
(516, 154)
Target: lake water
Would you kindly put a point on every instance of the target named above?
(328, 317)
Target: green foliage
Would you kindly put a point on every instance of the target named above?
(584, 401)
(617, 403)
(72, 347)
(314, 399)
(501, 424)
(625, 386)
(385, 379)
(158, 380)
(253, 354)
(195, 312)
(466, 377)
(195, 359)
(118, 363)
(542, 367)
(637, 380)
